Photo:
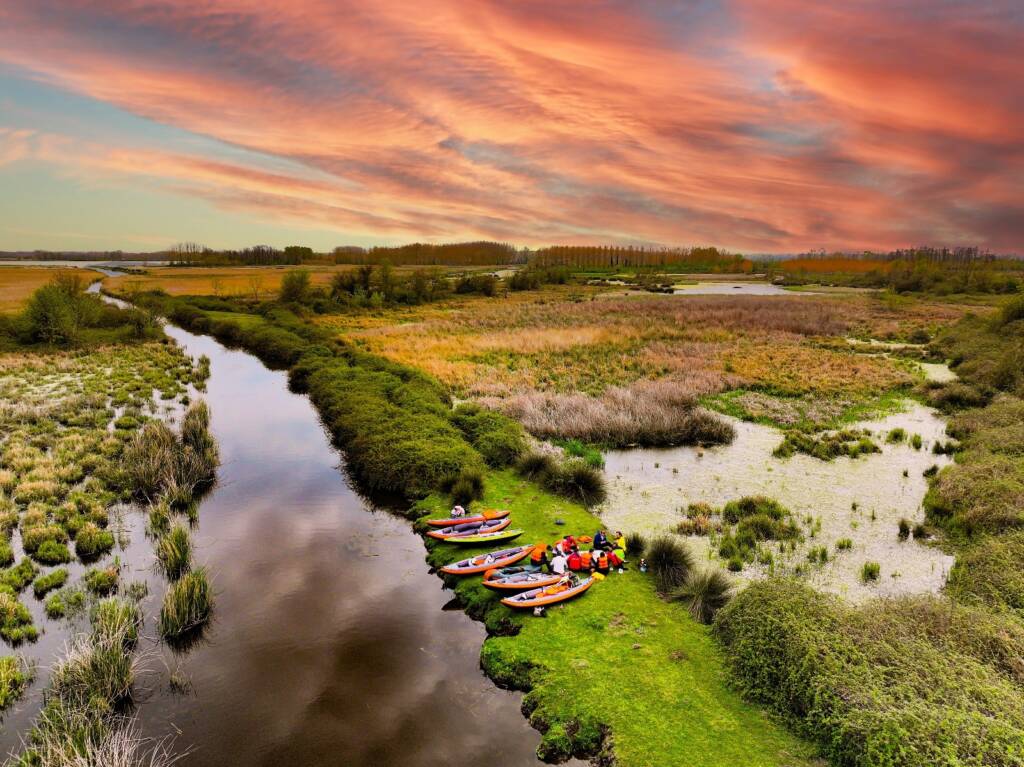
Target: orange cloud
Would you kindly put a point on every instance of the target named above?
(759, 125)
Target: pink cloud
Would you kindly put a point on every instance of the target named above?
(761, 126)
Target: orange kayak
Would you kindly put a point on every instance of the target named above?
(470, 528)
(547, 595)
(479, 518)
(519, 581)
(479, 563)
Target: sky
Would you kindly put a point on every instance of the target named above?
(756, 125)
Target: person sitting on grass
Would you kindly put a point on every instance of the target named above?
(620, 540)
(575, 561)
(602, 563)
(558, 564)
(458, 511)
(600, 540)
(586, 561)
(617, 560)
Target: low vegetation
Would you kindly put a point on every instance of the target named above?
(897, 682)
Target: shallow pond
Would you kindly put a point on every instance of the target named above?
(649, 489)
(734, 289)
(330, 643)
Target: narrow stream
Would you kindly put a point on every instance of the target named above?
(330, 643)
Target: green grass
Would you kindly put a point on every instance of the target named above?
(14, 678)
(243, 319)
(666, 702)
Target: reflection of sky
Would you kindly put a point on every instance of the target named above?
(329, 636)
(763, 126)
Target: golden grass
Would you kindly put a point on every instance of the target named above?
(551, 341)
(250, 281)
(17, 283)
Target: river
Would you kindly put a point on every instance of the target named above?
(331, 643)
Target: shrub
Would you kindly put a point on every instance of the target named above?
(536, 465)
(670, 562)
(915, 441)
(896, 435)
(920, 532)
(174, 552)
(64, 602)
(870, 571)
(704, 592)
(904, 529)
(635, 545)
(294, 286)
(187, 605)
(985, 493)
(989, 572)
(900, 683)
(578, 479)
(844, 544)
(44, 584)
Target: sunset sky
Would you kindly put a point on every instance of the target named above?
(758, 125)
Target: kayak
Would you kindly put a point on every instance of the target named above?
(470, 528)
(481, 538)
(479, 563)
(502, 572)
(489, 514)
(546, 595)
(518, 581)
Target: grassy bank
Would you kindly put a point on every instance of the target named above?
(620, 661)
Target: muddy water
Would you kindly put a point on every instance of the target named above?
(330, 643)
(648, 490)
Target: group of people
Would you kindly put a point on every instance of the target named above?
(572, 555)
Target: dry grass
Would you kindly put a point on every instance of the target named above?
(547, 342)
(646, 413)
(17, 283)
(249, 281)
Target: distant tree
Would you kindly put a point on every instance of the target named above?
(295, 254)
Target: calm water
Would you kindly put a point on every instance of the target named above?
(330, 643)
(751, 288)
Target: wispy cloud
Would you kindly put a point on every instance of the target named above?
(759, 125)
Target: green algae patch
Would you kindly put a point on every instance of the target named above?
(617, 670)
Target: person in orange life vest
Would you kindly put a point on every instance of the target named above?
(586, 560)
(575, 560)
(602, 563)
(539, 555)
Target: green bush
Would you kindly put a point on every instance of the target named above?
(870, 572)
(990, 572)
(635, 545)
(670, 562)
(900, 683)
(499, 439)
(294, 286)
(704, 592)
(982, 494)
(14, 678)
